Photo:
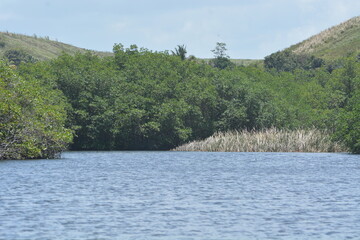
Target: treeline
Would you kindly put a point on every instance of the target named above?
(140, 99)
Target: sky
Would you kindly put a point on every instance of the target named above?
(251, 29)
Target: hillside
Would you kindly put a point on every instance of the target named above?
(334, 42)
(38, 47)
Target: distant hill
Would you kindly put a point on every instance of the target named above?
(337, 41)
(40, 48)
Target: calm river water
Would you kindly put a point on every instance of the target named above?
(181, 195)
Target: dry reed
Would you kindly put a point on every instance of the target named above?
(268, 140)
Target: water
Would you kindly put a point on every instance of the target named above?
(181, 195)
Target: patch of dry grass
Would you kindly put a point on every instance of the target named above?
(269, 140)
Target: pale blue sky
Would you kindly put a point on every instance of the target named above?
(250, 28)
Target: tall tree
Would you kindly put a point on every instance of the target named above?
(220, 50)
(221, 59)
(180, 51)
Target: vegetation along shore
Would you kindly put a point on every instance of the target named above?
(138, 99)
(268, 140)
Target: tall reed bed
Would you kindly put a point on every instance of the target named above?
(268, 140)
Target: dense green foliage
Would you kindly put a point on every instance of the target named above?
(32, 117)
(139, 99)
(289, 61)
(17, 56)
(145, 100)
(348, 124)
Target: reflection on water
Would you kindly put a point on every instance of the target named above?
(180, 195)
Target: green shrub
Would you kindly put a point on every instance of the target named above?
(17, 56)
(32, 118)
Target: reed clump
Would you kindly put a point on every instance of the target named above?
(267, 140)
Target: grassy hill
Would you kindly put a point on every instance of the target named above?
(40, 48)
(337, 41)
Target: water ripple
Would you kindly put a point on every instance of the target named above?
(174, 195)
